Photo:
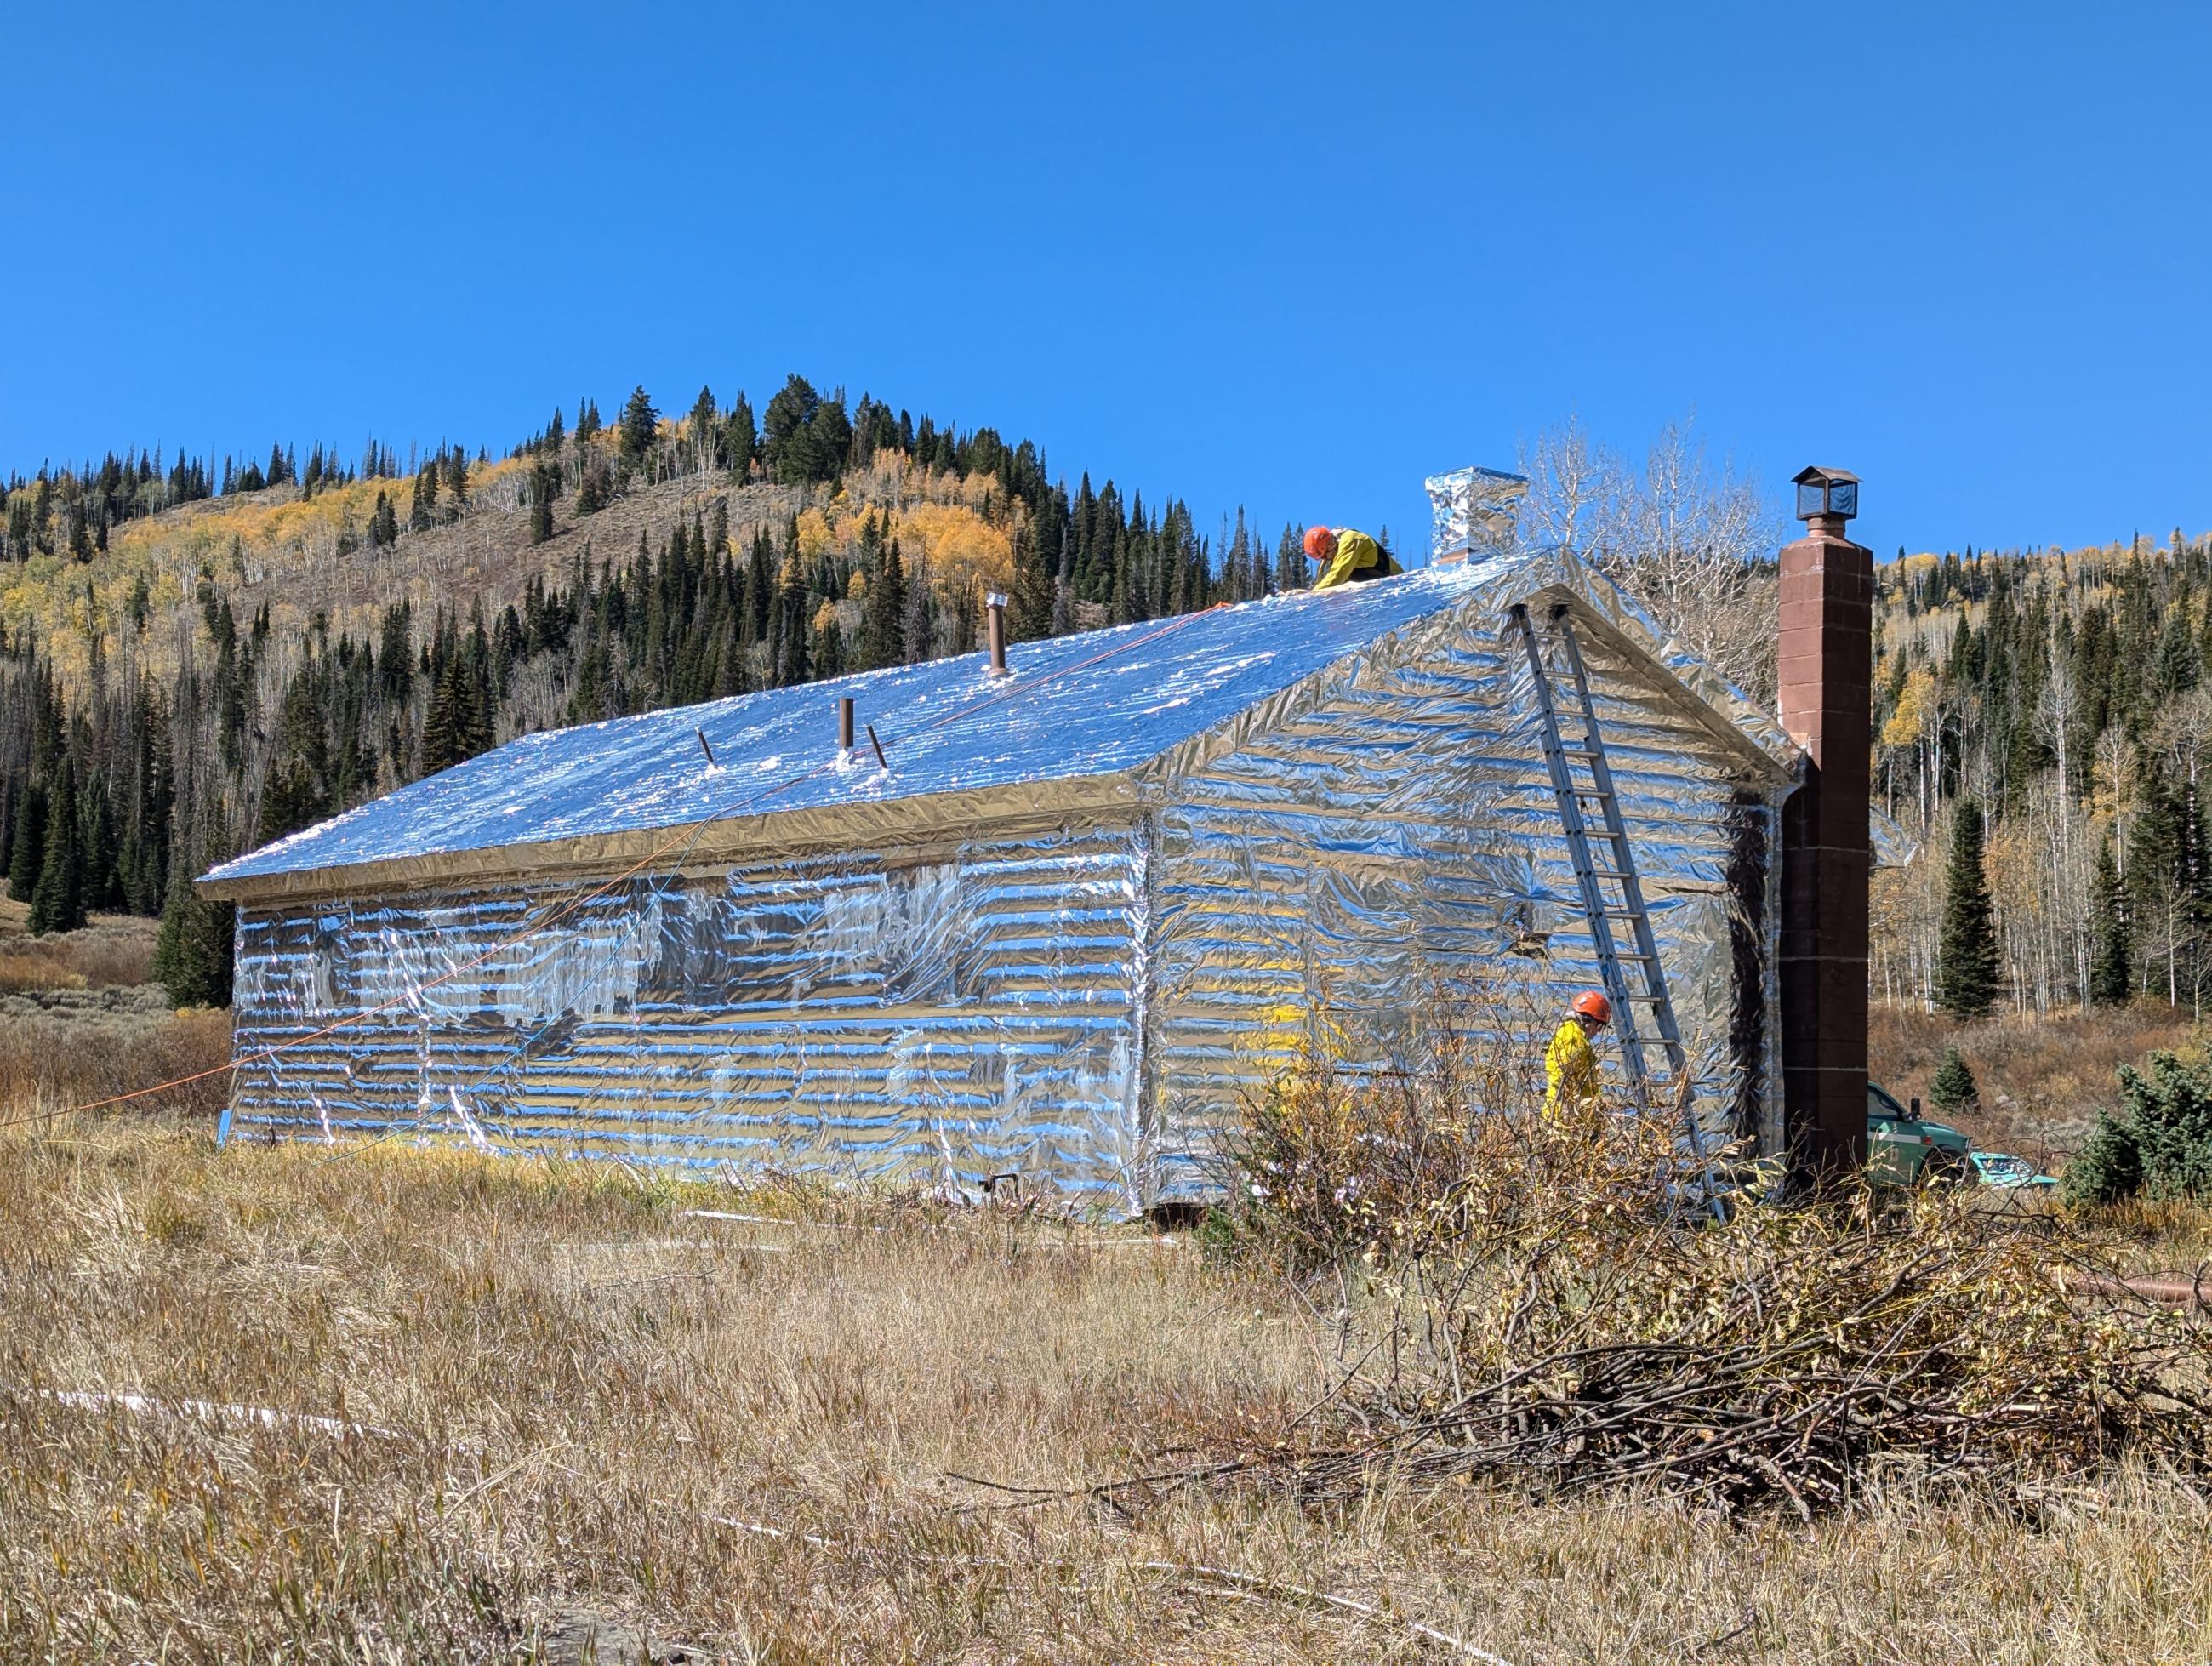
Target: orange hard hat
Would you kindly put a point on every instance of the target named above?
(1321, 543)
(1592, 1005)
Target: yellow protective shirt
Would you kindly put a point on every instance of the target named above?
(1357, 558)
(1571, 1076)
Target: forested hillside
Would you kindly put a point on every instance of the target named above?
(2061, 700)
(196, 657)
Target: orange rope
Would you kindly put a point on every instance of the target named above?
(689, 830)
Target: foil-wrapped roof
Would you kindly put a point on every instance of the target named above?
(1098, 704)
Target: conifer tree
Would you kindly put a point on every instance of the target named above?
(2112, 976)
(1966, 950)
(102, 886)
(26, 845)
(883, 627)
(788, 625)
(640, 427)
(442, 722)
(789, 442)
(1952, 1091)
(544, 483)
(703, 434)
(1028, 597)
(58, 900)
(828, 656)
(192, 952)
(740, 439)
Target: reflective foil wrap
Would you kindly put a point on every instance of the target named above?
(1474, 512)
(1074, 918)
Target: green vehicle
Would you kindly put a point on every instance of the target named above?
(1905, 1149)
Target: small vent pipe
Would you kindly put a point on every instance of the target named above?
(844, 722)
(996, 605)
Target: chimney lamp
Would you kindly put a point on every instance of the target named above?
(1834, 493)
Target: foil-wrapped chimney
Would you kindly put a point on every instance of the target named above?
(1476, 511)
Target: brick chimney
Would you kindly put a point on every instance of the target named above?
(1826, 667)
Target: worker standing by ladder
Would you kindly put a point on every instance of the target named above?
(1571, 1075)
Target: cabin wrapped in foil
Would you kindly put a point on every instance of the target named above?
(1064, 922)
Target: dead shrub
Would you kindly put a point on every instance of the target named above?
(1540, 1302)
(52, 1059)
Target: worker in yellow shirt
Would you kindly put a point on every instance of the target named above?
(1348, 556)
(1570, 1077)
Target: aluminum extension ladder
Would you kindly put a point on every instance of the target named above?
(1643, 1018)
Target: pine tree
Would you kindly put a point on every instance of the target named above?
(702, 434)
(788, 624)
(193, 954)
(1290, 560)
(58, 900)
(794, 457)
(1028, 597)
(26, 845)
(2112, 976)
(544, 483)
(1966, 950)
(882, 627)
(740, 439)
(443, 722)
(640, 427)
(829, 654)
(103, 885)
(1952, 1091)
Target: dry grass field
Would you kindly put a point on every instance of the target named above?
(408, 1404)
(2042, 1080)
(78, 1021)
(386, 1403)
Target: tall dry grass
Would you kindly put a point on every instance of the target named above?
(2042, 1079)
(79, 1050)
(573, 1392)
(115, 949)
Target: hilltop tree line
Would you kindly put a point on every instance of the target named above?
(70, 511)
(117, 785)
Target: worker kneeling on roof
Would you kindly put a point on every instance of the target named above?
(1571, 1078)
(1348, 556)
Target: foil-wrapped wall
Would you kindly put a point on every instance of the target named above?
(1080, 994)
(948, 1017)
(1391, 855)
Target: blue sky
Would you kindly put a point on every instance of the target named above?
(1291, 257)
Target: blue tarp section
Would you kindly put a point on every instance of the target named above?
(1098, 703)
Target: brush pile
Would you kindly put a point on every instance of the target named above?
(1536, 1299)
